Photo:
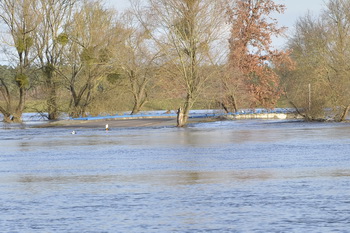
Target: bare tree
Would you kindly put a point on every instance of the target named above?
(50, 40)
(321, 48)
(137, 58)
(21, 19)
(186, 32)
(89, 53)
(338, 17)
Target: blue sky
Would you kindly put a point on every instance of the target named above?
(295, 9)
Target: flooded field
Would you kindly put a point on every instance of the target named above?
(230, 176)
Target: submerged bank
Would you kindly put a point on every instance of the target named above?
(121, 123)
(152, 119)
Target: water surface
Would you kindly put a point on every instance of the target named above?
(231, 176)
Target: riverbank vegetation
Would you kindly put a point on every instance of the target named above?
(80, 57)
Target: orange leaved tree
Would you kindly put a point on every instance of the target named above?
(253, 59)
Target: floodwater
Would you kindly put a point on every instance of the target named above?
(230, 176)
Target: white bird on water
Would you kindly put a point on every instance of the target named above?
(107, 127)
(74, 132)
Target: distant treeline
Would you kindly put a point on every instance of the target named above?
(80, 57)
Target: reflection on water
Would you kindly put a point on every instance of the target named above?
(235, 176)
(179, 178)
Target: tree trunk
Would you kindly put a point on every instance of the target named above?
(183, 113)
(7, 118)
(17, 116)
(7, 115)
(345, 113)
(14, 116)
(77, 109)
(223, 105)
(229, 104)
(136, 109)
(140, 97)
(234, 103)
(52, 102)
(137, 106)
(180, 113)
(75, 112)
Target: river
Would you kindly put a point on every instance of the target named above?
(228, 176)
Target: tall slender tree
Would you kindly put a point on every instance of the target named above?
(186, 32)
(21, 18)
(50, 40)
(137, 59)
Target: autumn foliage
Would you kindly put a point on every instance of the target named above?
(252, 58)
